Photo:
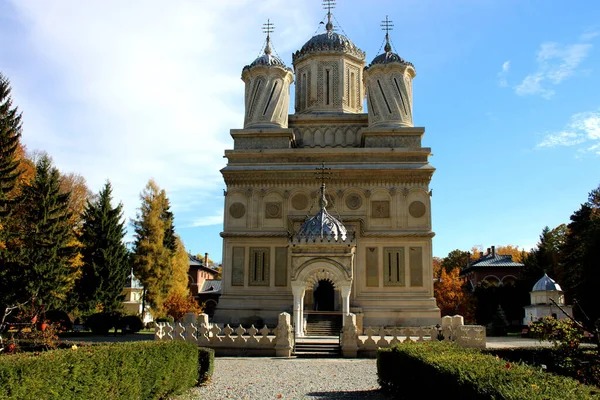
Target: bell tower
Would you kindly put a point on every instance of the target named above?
(389, 87)
(329, 70)
(268, 83)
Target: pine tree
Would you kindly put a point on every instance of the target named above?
(151, 258)
(42, 269)
(105, 256)
(10, 134)
(580, 255)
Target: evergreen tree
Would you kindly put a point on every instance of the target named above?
(10, 134)
(151, 258)
(580, 255)
(105, 256)
(41, 268)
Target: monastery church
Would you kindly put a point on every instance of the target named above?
(327, 210)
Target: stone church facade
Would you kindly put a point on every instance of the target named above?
(359, 241)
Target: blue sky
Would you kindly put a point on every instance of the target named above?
(507, 90)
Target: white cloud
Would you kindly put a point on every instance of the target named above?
(562, 139)
(584, 128)
(502, 81)
(589, 35)
(143, 89)
(556, 63)
(216, 219)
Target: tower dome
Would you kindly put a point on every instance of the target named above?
(546, 284)
(268, 83)
(388, 80)
(328, 71)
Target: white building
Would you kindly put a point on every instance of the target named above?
(544, 291)
(368, 247)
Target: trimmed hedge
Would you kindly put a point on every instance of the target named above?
(449, 371)
(206, 364)
(134, 370)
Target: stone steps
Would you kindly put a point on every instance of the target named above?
(323, 325)
(317, 350)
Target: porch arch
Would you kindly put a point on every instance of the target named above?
(309, 274)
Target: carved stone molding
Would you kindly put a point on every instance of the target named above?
(272, 210)
(380, 209)
(237, 210)
(353, 201)
(300, 201)
(417, 209)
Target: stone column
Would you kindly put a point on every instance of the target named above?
(283, 340)
(349, 337)
(298, 292)
(345, 301)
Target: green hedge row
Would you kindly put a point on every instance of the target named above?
(135, 370)
(449, 371)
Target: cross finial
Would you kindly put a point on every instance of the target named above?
(323, 174)
(329, 5)
(268, 28)
(387, 26)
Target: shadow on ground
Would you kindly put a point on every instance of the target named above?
(374, 394)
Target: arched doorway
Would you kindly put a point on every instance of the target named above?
(324, 296)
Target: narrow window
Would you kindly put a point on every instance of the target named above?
(372, 108)
(255, 266)
(270, 98)
(401, 98)
(327, 85)
(304, 92)
(384, 98)
(352, 91)
(389, 267)
(256, 89)
(259, 266)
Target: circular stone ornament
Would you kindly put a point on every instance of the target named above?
(353, 202)
(237, 210)
(300, 201)
(416, 209)
(273, 210)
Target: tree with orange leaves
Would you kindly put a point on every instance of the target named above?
(452, 295)
(178, 304)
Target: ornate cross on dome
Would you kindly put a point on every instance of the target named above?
(323, 174)
(329, 5)
(387, 26)
(268, 28)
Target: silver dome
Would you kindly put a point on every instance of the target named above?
(387, 58)
(327, 42)
(266, 60)
(546, 284)
(322, 225)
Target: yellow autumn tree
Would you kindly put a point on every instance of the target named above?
(180, 265)
(451, 294)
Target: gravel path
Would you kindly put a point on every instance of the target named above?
(274, 378)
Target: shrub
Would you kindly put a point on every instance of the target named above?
(101, 323)
(206, 364)
(585, 367)
(59, 318)
(164, 320)
(135, 370)
(468, 374)
(131, 323)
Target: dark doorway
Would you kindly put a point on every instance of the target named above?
(324, 295)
